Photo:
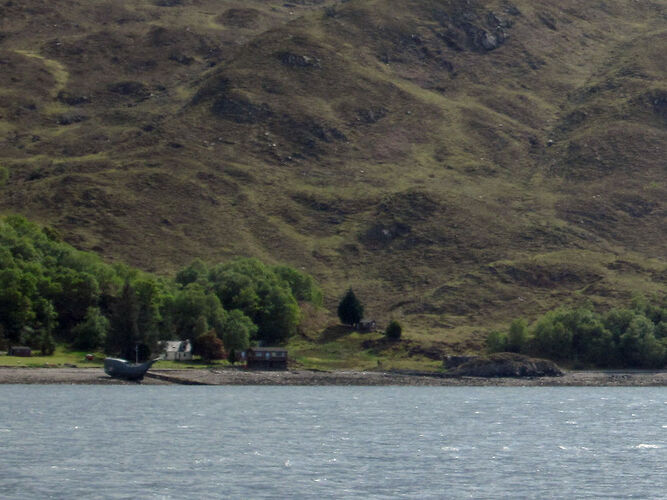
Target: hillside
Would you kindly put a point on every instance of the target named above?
(458, 163)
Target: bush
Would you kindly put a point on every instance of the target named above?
(91, 333)
(517, 336)
(631, 337)
(237, 331)
(394, 330)
(46, 343)
(496, 342)
(209, 346)
(639, 346)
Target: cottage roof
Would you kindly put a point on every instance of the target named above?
(177, 346)
(267, 349)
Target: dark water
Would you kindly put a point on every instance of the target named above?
(332, 442)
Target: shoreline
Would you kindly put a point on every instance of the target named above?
(96, 376)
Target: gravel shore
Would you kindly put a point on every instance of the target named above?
(11, 375)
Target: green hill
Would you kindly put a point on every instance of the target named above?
(458, 163)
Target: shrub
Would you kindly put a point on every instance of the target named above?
(394, 330)
(517, 336)
(496, 342)
(209, 346)
(237, 331)
(92, 331)
(46, 343)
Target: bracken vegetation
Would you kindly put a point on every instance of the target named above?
(457, 163)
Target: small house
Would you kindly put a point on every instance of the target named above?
(367, 325)
(177, 350)
(19, 350)
(266, 358)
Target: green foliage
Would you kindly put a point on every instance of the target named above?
(123, 337)
(621, 337)
(393, 330)
(639, 347)
(350, 310)
(195, 310)
(517, 336)
(237, 331)
(496, 342)
(47, 287)
(3, 339)
(195, 272)
(303, 286)
(250, 286)
(617, 321)
(46, 344)
(91, 333)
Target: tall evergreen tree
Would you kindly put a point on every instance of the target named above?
(123, 336)
(350, 310)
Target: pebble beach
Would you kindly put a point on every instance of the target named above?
(96, 376)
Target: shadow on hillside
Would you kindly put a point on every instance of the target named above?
(333, 333)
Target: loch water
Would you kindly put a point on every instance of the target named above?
(178, 442)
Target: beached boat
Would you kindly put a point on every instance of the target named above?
(121, 368)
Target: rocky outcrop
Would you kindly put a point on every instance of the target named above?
(298, 60)
(507, 364)
(456, 361)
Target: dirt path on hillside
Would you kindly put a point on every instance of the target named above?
(304, 377)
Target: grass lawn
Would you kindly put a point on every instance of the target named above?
(63, 356)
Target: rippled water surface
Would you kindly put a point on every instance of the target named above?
(332, 442)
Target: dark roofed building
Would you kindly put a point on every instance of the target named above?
(19, 350)
(367, 325)
(266, 358)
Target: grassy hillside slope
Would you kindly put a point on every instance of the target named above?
(458, 163)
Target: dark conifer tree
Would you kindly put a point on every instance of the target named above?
(350, 310)
(124, 336)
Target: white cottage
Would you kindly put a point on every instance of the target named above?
(177, 350)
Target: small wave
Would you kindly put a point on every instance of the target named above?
(645, 446)
(571, 422)
(450, 448)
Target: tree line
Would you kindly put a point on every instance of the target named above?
(51, 292)
(630, 337)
